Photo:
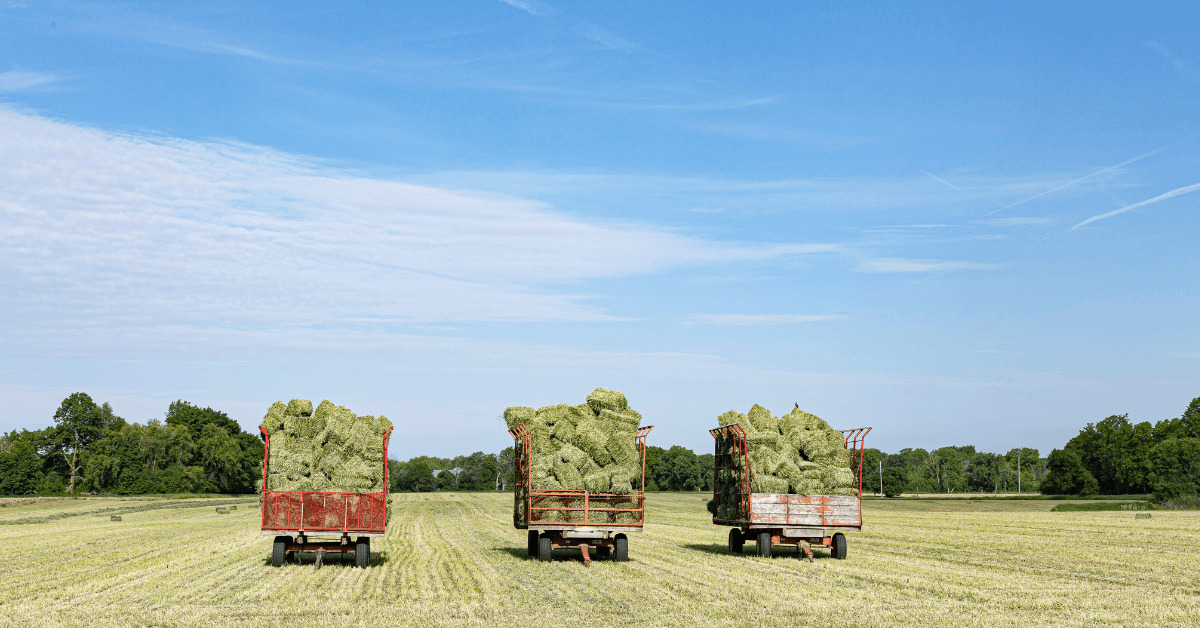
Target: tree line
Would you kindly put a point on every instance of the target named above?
(88, 449)
(1116, 457)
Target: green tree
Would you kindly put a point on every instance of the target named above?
(20, 466)
(78, 423)
(504, 468)
(657, 475)
(1067, 475)
(1031, 468)
(1175, 468)
(895, 481)
(708, 467)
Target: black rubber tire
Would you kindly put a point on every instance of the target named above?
(362, 552)
(764, 544)
(545, 548)
(736, 541)
(279, 551)
(838, 546)
(620, 547)
(532, 545)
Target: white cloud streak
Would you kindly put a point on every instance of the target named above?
(1187, 189)
(760, 319)
(111, 234)
(18, 80)
(1076, 181)
(903, 265)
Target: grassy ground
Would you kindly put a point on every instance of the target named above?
(454, 559)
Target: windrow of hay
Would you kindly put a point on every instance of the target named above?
(796, 453)
(591, 446)
(329, 449)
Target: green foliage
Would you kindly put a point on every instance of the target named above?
(895, 481)
(78, 423)
(1175, 469)
(1102, 506)
(20, 466)
(1067, 475)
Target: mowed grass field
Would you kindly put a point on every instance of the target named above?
(455, 559)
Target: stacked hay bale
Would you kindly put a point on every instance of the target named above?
(329, 449)
(795, 453)
(591, 446)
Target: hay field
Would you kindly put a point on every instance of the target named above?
(454, 559)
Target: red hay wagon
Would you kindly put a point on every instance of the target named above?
(771, 519)
(572, 518)
(293, 516)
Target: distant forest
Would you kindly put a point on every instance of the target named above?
(88, 449)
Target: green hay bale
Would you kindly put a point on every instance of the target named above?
(115, 518)
(734, 417)
(624, 477)
(517, 415)
(762, 420)
(573, 456)
(598, 481)
(770, 484)
(621, 419)
(605, 399)
(568, 475)
(591, 438)
(233, 507)
(300, 407)
(564, 431)
(221, 510)
(273, 421)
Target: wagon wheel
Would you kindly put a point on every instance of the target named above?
(838, 547)
(620, 547)
(531, 548)
(603, 551)
(279, 551)
(764, 544)
(736, 541)
(545, 547)
(362, 552)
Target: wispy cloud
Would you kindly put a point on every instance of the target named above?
(1170, 57)
(760, 319)
(107, 231)
(1076, 181)
(18, 80)
(1187, 189)
(903, 265)
(535, 9)
(1014, 221)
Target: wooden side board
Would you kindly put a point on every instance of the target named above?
(804, 510)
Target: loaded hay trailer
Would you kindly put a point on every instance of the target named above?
(771, 519)
(574, 518)
(353, 519)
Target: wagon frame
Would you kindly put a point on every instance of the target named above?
(771, 519)
(293, 516)
(540, 511)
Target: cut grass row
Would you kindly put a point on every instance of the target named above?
(454, 559)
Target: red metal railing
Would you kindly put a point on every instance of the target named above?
(539, 507)
(313, 511)
(733, 457)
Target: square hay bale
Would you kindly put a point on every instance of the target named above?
(114, 518)
(605, 399)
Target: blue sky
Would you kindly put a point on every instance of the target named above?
(959, 225)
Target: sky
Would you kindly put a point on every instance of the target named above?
(956, 224)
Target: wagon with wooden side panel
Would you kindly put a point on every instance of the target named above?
(772, 519)
(350, 519)
(574, 518)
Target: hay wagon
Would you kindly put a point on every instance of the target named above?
(771, 519)
(574, 518)
(353, 519)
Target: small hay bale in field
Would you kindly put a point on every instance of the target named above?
(233, 507)
(221, 510)
(115, 518)
(1142, 515)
